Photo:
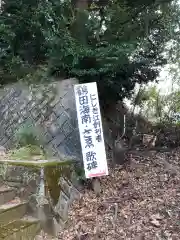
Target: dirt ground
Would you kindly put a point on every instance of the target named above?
(139, 201)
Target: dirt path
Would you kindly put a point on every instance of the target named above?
(136, 203)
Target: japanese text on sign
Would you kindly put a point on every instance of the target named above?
(90, 129)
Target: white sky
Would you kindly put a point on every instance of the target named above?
(165, 81)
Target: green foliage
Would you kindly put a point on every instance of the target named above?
(115, 43)
(79, 173)
(159, 107)
(28, 134)
(173, 102)
(37, 75)
(152, 104)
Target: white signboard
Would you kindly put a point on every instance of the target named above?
(90, 129)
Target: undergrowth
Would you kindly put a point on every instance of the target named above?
(29, 143)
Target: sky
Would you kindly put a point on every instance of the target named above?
(165, 81)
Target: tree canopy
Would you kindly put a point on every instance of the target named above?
(116, 43)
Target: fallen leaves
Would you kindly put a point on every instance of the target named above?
(155, 220)
(136, 203)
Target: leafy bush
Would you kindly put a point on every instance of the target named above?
(79, 173)
(115, 43)
(29, 134)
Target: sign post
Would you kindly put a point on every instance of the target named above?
(90, 130)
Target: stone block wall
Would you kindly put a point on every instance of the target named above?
(51, 107)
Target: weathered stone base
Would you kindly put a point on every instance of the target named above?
(48, 199)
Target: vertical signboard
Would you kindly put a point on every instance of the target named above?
(90, 129)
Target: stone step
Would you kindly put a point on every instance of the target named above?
(12, 210)
(6, 194)
(25, 229)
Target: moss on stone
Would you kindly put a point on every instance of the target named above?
(27, 152)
